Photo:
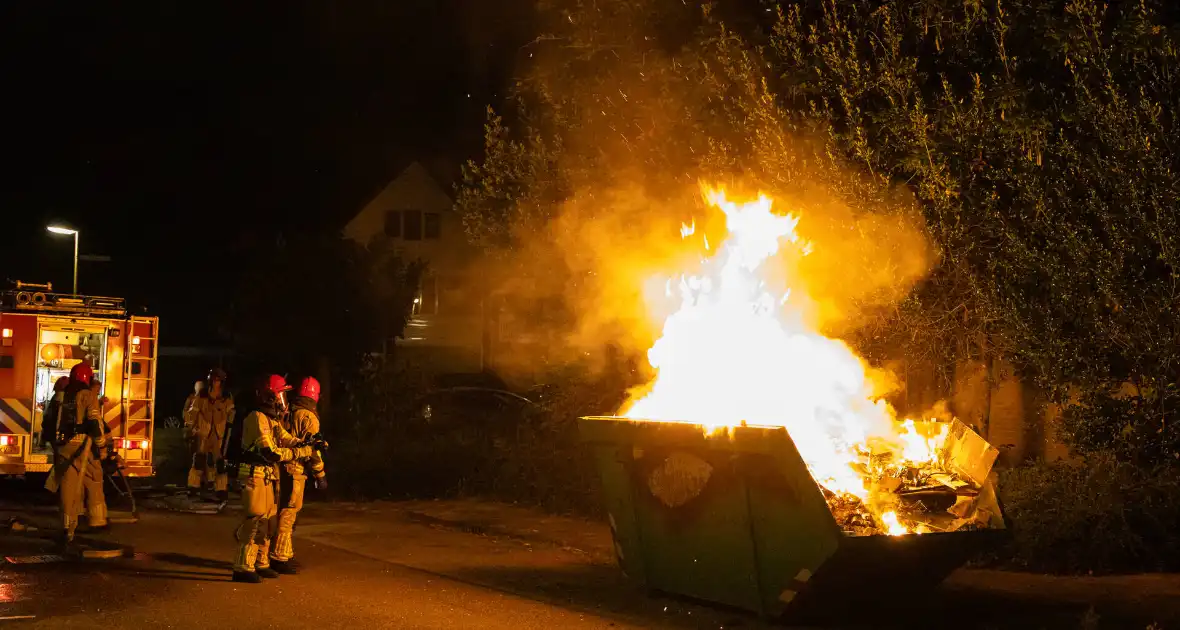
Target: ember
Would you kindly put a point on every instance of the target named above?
(738, 352)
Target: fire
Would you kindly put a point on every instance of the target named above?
(738, 351)
(893, 527)
(919, 448)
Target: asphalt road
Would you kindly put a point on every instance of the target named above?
(363, 569)
(382, 566)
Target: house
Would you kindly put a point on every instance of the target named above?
(414, 217)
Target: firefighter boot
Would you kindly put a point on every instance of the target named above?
(68, 547)
(281, 567)
(249, 577)
(263, 565)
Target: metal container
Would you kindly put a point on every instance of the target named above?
(735, 518)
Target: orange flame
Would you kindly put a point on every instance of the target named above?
(738, 352)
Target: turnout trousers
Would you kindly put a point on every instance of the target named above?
(70, 464)
(291, 485)
(96, 501)
(259, 514)
(207, 467)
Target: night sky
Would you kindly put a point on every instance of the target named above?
(167, 133)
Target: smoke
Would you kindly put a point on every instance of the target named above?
(630, 129)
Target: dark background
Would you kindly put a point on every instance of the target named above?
(176, 135)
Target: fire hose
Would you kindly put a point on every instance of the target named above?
(112, 468)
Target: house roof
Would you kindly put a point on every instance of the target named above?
(414, 188)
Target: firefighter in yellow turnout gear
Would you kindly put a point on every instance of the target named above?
(208, 418)
(94, 478)
(304, 424)
(80, 439)
(265, 445)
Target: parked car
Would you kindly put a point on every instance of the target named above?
(492, 413)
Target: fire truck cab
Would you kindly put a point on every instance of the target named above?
(44, 334)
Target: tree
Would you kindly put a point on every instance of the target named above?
(1039, 141)
(310, 304)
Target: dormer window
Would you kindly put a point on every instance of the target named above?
(432, 227)
(393, 224)
(412, 224)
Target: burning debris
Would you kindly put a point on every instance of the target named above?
(943, 489)
(739, 351)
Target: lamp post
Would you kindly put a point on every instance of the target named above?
(67, 231)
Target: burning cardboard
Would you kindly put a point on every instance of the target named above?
(969, 455)
(946, 491)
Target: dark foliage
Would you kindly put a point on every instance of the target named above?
(531, 456)
(1039, 138)
(314, 304)
(1097, 515)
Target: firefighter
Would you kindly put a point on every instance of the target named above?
(49, 416)
(303, 424)
(92, 478)
(81, 439)
(211, 413)
(264, 445)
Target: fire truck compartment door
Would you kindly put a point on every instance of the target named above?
(60, 346)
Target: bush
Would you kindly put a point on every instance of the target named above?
(372, 456)
(1098, 515)
(380, 452)
(545, 463)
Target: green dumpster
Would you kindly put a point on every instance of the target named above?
(735, 518)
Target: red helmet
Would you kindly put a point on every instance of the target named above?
(272, 390)
(82, 373)
(310, 387)
(60, 385)
(275, 384)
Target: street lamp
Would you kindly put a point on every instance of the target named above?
(67, 231)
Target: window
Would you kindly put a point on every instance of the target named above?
(433, 225)
(393, 224)
(413, 219)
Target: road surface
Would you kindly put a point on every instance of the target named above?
(363, 569)
(398, 565)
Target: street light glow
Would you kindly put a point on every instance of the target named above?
(57, 229)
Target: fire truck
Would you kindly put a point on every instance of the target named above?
(42, 335)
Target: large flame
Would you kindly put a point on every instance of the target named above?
(739, 352)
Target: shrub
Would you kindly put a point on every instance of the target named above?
(381, 452)
(545, 463)
(1098, 515)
